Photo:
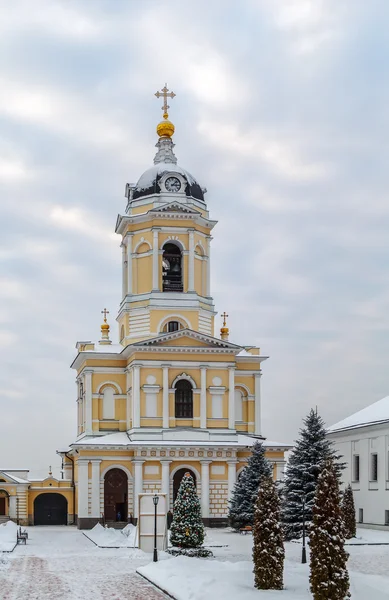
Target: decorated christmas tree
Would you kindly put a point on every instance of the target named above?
(306, 461)
(329, 576)
(187, 529)
(268, 546)
(348, 512)
(241, 510)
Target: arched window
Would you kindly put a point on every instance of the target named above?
(238, 405)
(172, 326)
(184, 399)
(108, 403)
(172, 269)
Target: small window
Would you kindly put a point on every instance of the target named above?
(173, 326)
(356, 467)
(360, 515)
(238, 405)
(387, 517)
(374, 467)
(184, 400)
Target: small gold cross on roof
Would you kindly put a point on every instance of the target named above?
(224, 315)
(105, 312)
(165, 94)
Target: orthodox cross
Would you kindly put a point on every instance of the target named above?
(165, 94)
(224, 315)
(105, 312)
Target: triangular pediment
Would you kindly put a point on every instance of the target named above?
(6, 478)
(188, 338)
(174, 207)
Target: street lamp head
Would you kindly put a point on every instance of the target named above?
(155, 500)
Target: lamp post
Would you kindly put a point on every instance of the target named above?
(155, 500)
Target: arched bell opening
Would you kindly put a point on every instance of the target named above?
(172, 269)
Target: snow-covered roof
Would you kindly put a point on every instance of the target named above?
(14, 478)
(371, 415)
(148, 178)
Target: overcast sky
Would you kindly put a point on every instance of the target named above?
(281, 112)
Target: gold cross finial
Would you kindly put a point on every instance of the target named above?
(105, 312)
(165, 94)
(50, 471)
(224, 315)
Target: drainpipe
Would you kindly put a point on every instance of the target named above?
(73, 486)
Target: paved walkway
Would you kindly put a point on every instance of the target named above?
(60, 563)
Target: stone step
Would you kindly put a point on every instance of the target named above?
(116, 524)
(3, 519)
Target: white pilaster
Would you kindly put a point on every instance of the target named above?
(82, 488)
(257, 408)
(136, 396)
(129, 264)
(231, 397)
(12, 512)
(165, 398)
(155, 260)
(203, 398)
(138, 484)
(95, 508)
(88, 402)
(191, 261)
(208, 290)
(128, 402)
(205, 488)
(124, 270)
(166, 480)
(231, 476)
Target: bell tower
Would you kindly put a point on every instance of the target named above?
(166, 236)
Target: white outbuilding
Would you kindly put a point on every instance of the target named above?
(363, 441)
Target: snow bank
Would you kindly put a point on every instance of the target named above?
(8, 536)
(107, 537)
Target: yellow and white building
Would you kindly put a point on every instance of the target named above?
(171, 396)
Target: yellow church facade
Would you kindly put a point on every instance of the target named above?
(170, 396)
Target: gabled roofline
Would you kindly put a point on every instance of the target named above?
(188, 333)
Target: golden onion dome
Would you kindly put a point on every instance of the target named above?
(105, 326)
(165, 128)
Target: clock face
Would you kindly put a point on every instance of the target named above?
(173, 184)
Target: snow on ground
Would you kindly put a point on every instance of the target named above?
(229, 575)
(8, 536)
(107, 537)
(61, 563)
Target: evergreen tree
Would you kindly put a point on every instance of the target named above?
(268, 545)
(187, 529)
(329, 576)
(306, 461)
(348, 512)
(241, 509)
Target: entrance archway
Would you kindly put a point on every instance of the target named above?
(177, 477)
(50, 509)
(4, 503)
(115, 495)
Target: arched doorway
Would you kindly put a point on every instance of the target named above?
(172, 268)
(178, 475)
(50, 509)
(4, 501)
(115, 495)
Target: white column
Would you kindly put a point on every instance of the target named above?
(165, 398)
(208, 290)
(231, 397)
(280, 470)
(191, 261)
(203, 398)
(138, 484)
(82, 488)
(231, 476)
(136, 396)
(257, 407)
(95, 512)
(12, 512)
(128, 402)
(88, 402)
(205, 488)
(124, 270)
(129, 264)
(155, 260)
(166, 480)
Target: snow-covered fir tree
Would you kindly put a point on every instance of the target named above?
(306, 461)
(329, 576)
(241, 508)
(348, 512)
(187, 529)
(268, 545)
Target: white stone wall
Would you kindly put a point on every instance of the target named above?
(218, 499)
